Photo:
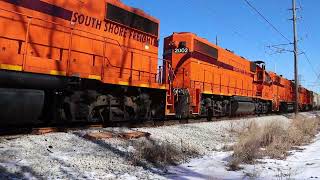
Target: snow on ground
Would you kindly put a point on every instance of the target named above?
(70, 156)
(303, 164)
(67, 156)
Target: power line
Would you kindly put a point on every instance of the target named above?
(312, 67)
(304, 53)
(279, 50)
(264, 18)
(233, 28)
(275, 29)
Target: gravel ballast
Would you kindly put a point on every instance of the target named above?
(70, 156)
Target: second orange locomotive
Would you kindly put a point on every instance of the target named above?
(208, 80)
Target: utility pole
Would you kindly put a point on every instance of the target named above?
(296, 80)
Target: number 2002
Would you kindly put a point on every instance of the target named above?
(181, 50)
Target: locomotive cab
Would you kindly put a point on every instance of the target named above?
(260, 71)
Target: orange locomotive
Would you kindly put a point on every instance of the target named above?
(212, 81)
(208, 79)
(73, 60)
(284, 92)
(305, 99)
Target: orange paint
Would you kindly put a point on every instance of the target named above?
(80, 38)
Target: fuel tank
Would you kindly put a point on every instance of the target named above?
(242, 105)
(20, 106)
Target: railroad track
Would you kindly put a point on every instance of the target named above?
(43, 129)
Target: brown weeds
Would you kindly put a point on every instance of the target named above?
(161, 154)
(273, 140)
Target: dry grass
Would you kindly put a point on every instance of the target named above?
(273, 140)
(161, 154)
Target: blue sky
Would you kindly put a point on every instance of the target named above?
(240, 29)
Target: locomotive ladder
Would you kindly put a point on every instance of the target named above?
(170, 110)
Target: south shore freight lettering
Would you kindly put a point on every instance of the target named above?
(111, 27)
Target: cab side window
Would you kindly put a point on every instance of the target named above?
(182, 44)
(260, 75)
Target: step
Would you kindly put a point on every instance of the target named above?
(170, 114)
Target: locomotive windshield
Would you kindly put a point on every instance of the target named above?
(132, 20)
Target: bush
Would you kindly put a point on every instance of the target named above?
(273, 140)
(246, 150)
(161, 154)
